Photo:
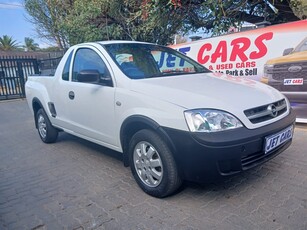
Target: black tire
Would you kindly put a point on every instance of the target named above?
(153, 165)
(46, 131)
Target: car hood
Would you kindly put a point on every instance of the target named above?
(294, 57)
(198, 91)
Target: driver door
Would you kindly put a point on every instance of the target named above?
(90, 105)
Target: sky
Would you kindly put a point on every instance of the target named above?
(13, 22)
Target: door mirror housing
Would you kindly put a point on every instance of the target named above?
(88, 76)
(287, 51)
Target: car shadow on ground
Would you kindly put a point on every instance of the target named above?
(226, 186)
(241, 182)
(66, 137)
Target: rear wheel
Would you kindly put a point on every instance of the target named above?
(152, 164)
(46, 131)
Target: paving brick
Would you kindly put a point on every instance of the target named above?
(9, 217)
(20, 225)
(241, 222)
(74, 184)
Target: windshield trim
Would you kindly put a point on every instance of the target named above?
(153, 63)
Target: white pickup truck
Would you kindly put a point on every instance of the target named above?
(171, 118)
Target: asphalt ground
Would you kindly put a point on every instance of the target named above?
(74, 184)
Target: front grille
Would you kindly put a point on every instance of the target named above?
(264, 113)
(281, 71)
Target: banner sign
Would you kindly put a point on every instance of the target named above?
(275, 55)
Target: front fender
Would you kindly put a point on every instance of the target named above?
(135, 123)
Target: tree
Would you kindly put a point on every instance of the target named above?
(73, 21)
(30, 45)
(48, 16)
(179, 39)
(218, 16)
(50, 49)
(121, 19)
(158, 21)
(8, 44)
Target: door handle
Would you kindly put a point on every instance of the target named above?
(71, 95)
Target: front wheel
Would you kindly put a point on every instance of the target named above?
(152, 164)
(46, 131)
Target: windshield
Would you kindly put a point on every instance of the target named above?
(302, 46)
(139, 61)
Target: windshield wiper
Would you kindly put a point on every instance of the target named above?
(175, 72)
(154, 75)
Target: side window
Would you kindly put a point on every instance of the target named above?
(303, 47)
(65, 74)
(88, 60)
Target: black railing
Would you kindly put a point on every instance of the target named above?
(48, 66)
(13, 75)
(14, 72)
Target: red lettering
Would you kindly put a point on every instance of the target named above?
(240, 45)
(224, 66)
(200, 56)
(262, 49)
(239, 48)
(246, 64)
(239, 65)
(220, 52)
(297, 81)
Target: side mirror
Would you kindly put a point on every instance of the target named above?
(287, 51)
(88, 76)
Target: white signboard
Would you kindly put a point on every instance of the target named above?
(275, 55)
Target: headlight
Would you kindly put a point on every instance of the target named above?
(267, 69)
(207, 120)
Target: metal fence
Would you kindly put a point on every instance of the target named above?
(13, 75)
(48, 66)
(14, 72)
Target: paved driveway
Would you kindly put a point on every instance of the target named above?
(74, 184)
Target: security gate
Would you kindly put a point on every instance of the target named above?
(13, 75)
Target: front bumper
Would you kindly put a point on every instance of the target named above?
(295, 93)
(296, 97)
(205, 157)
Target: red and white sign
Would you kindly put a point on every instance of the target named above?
(245, 53)
(276, 55)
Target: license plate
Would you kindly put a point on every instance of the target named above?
(275, 140)
(294, 81)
